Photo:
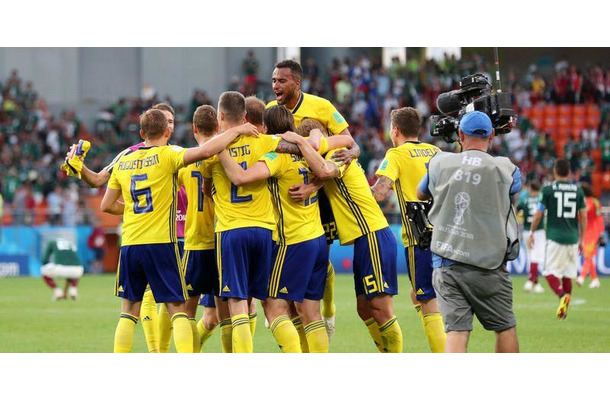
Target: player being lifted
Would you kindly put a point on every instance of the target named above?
(361, 222)
(286, 85)
(403, 168)
(566, 223)
(527, 207)
(147, 180)
(301, 255)
(156, 326)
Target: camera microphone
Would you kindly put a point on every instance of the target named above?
(449, 103)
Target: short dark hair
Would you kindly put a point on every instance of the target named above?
(278, 119)
(205, 120)
(153, 123)
(408, 120)
(562, 168)
(309, 124)
(535, 186)
(587, 189)
(295, 68)
(164, 107)
(255, 108)
(233, 105)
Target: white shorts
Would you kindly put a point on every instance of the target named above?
(561, 260)
(535, 254)
(62, 271)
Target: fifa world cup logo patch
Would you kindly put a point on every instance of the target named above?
(462, 202)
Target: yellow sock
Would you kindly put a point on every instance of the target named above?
(123, 336)
(298, 324)
(165, 329)
(150, 321)
(196, 338)
(226, 335)
(373, 328)
(285, 334)
(183, 333)
(317, 339)
(203, 333)
(253, 319)
(391, 336)
(420, 313)
(242, 337)
(328, 301)
(435, 332)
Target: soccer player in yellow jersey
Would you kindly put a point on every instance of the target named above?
(245, 222)
(157, 329)
(301, 255)
(199, 262)
(361, 222)
(286, 85)
(147, 180)
(403, 168)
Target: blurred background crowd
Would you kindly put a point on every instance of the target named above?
(562, 112)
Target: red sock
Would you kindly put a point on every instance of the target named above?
(50, 282)
(567, 285)
(586, 267)
(534, 272)
(555, 284)
(73, 282)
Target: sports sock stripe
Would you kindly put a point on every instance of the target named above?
(387, 325)
(277, 321)
(179, 315)
(129, 317)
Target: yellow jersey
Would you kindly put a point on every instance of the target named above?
(406, 165)
(199, 226)
(148, 181)
(297, 222)
(314, 107)
(355, 209)
(249, 205)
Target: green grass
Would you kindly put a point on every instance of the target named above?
(31, 322)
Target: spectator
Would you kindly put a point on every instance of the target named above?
(97, 242)
(54, 203)
(249, 67)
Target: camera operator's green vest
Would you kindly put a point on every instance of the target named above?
(474, 221)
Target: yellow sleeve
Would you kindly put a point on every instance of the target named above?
(268, 143)
(206, 166)
(329, 156)
(275, 163)
(113, 182)
(173, 157)
(323, 146)
(389, 166)
(334, 120)
(182, 174)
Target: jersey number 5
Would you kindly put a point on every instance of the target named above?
(137, 193)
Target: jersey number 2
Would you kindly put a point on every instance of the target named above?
(234, 197)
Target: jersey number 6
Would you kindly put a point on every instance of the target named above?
(137, 193)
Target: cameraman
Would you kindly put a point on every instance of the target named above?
(475, 234)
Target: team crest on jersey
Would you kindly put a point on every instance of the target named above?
(339, 118)
(384, 165)
(271, 156)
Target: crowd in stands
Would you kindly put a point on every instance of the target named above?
(34, 141)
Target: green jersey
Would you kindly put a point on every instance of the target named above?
(562, 202)
(528, 207)
(62, 252)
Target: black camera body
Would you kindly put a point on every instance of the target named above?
(475, 94)
(417, 215)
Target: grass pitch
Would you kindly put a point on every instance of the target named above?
(30, 322)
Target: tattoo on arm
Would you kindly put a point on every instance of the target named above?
(381, 188)
(287, 147)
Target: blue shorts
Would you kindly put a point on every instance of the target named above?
(207, 300)
(299, 270)
(375, 264)
(419, 265)
(155, 264)
(201, 274)
(244, 262)
(181, 247)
